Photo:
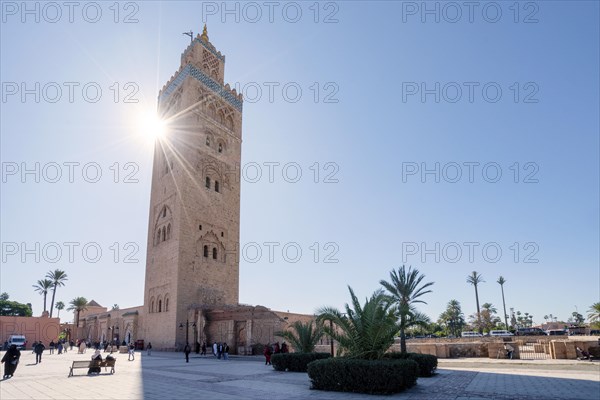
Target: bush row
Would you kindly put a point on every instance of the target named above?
(363, 376)
(426, 362)
(295, 362)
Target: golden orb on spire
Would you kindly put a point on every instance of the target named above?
(204, 36)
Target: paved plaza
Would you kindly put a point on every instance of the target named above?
(165, 375)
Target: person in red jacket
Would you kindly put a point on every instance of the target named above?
(267, 352)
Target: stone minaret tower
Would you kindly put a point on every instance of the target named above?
(194, 222)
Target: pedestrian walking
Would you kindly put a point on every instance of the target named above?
(267, 352)
(149, 348)
(131, 356)
(11, 361)
(187, 350)
(51, 345)
(39, 349)
(203, 349)
(214, 349)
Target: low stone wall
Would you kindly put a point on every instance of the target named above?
(34, 328)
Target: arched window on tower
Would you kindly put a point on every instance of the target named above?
(207, 141)
(164, 213)
(229, 122)
(168, 231)
(220, 147)
(166, 304)
(214, 253)
(216, 186)
(208, 182)
(160, 306)
(164, 234)
(152, 305)
(205, 251)
(158, 237)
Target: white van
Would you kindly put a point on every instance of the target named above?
(471, 334)
(500, 333)
(18, 340)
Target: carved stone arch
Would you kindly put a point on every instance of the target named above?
(221, 117)
(211, 170)
(229, 122)
(151, 304)
(166, 303)
(159, 304)
(169, 231)
(212, 111)
(160, 219)
(208, 245)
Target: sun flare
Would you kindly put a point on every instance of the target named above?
(150, 126)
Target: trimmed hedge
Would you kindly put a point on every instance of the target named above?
(295, 362)
(363, 376)
(426, 362)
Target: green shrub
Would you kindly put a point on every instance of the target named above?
(426, 362)
(295, 362)
(363, 376)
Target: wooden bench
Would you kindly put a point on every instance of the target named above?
(93, 364)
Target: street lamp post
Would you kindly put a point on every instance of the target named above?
(187, 330)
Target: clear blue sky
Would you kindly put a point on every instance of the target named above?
(371, 208)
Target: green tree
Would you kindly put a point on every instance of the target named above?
(58, 278)
(487, 320)
(42, 287)
(14, 308)
(576, 318)
(501, 281)
(78, 304)
(366, 331)
(453, 318)
(59, 306)
(404, 291)
(475, 279)
(115, 307)
(303, 337)
(594, 314)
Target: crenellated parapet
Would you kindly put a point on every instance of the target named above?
(201, 61)
(224, 91)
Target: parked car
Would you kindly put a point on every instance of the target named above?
(18, 340)
(530, 332)
(470, 334)
(556, 332)
(500, 333)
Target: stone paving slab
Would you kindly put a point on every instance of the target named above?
(167, 376)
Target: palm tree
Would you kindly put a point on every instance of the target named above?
(475, 279)
(594, 313)
(453, 317)
(58, 278)
(501, 281)
(42, 287)
(404, 292)
(59, 306)
(78, 304)
(303, 337)
(366, 331)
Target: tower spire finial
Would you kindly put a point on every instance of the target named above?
(204, 36)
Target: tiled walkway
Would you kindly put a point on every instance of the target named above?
(167, 376)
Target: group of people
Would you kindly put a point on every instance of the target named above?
(274, 349)
(97, 356)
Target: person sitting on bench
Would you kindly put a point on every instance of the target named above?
(509, 350)
(583, 355)
(95, 357)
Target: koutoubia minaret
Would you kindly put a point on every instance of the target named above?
(194, 218)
